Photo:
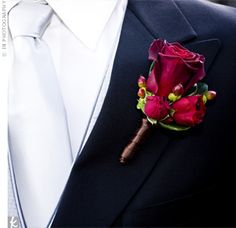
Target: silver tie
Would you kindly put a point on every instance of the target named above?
(38, 133)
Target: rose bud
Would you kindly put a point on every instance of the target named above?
(142, 81)
(156, 107)
(141, 92)
(189, 111)
(178, 90)
(210, 95)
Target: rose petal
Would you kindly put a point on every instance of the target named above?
(155, 48)
(173, 72)
(152, 85)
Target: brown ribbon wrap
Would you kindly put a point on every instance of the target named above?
(139, 137)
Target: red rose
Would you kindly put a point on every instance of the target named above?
(173, 65)
(156, 107)
(189, 111)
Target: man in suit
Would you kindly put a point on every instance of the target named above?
(176, 179)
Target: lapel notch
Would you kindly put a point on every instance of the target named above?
(209, 48)
(163, 19)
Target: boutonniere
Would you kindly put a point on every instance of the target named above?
(172, 96)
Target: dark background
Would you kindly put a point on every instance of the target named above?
(226, 2)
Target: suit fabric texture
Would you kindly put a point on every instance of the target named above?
(176, 179)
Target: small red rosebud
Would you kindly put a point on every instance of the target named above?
(189, 111)
(142, 81)
(210, 95)
(156, 107)
(178, 90)
(141, 92)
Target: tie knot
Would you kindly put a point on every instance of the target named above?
(29, 18)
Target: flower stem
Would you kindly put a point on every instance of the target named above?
(132, 147)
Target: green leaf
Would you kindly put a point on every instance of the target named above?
(151, 67)
(149, 93)
(192, 91)
(202, 88)
(198, 88)
(174, 127)
(152, 121)
(172, 112)
(141, 104)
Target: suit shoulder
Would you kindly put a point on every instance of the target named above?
(215, 18)
(201, 7)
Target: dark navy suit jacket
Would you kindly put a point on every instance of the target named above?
(176, 179)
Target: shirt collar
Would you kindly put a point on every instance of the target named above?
(85, 18)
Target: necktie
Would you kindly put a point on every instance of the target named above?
(38, 133)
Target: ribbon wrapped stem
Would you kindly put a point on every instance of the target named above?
(139, 137)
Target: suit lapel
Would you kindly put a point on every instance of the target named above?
(163, 19)
(99, 187)
(209, 48)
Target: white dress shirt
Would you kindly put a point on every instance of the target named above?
(83, 37)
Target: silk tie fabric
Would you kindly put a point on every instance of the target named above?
(37, 117)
